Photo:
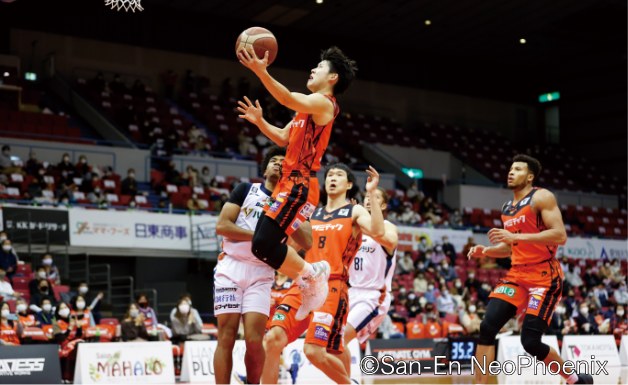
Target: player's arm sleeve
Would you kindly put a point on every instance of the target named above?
(238, 195)
(229, 214)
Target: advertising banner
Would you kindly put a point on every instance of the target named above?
(410, 237)
(41, 225)
(407, 356)
(124, 363)
(582, 348)
(593, 248)
(198, 362)
(30, 364)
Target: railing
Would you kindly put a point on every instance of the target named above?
(121, 294)
(99, 278)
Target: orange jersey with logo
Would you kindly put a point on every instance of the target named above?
(521, 219)
(307, 142)
(333, 240)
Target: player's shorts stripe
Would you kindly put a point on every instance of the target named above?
(554, 292)
(366, 320)
(336, 338)
(289, 210)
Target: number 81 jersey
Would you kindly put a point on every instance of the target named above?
(372, 267)
(333, 240)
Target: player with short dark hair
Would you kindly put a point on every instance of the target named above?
(533, 230)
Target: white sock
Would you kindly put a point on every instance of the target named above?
(573, 378)
(307, 271)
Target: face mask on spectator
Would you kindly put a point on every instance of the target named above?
(41, 274)
(422, 301)
(3, 238)
(65, 312)
(131, 175)
(134, 313)
(66, 158)
(6, 313)
(184, 308)
(47, 261)
(471, 276)
(445, 266)
(21, 308)
(560, 310)
(83, 161)
(430, 287)
(6, 248)
(584, 311)
(472, 309)
(402, 290)
(411, 296)
(47, 307)
(43, 289)
(80, 305)
(620, 313)
(143, 304)
(458, 285)
(83, 289)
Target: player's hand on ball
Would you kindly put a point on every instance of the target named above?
(476, 251)
(249, 111)
(500, 235)
(249, 59)
(372, 180)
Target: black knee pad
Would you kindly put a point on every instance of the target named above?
(531, 334)
(498, 312)
(268, 243)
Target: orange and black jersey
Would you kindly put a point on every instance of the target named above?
(307, 142)
(334, 240)
(521, 219)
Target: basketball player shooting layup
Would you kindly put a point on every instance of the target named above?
(533, 229)
(306, 138)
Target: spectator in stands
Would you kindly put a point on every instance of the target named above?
(586, 320)
(388, 330)
(591, 278)
(144, 307)
(35, 188)
(172, 176)
(5, 157)
(44, 291)
(184, 322)
(23, 315)
(191, 176)
(405, 264)
(414, 194)
(128, 186)
(420, 283)
(82, 167)
(600, 296)
(138, 88)
(455, 219)
(409, 216)
(193, 204)
(66, 165)
(117, 85)
(93, 300)
(67, 333)
(52, 272)
(436, 257)
(572, 277)
(447, 271)
(470, 243)
(6, 290)
(432, 292)
(205, 177)
(620, 325)
(469, 319)
(32, 165)
(445, 303)
(82, 313)
(560, 325)
(40, 275)
(132, 326)
(423, 245)
(98, 82)
(46, 316)
(621, 294)
(8, 258)
(449, 250)
(10, 331)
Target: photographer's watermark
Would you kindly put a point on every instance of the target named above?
(387, 365)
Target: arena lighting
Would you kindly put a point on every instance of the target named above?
(30, 76)
(6, 74)
(549, 97)
(428, 22)
(319, 1)
(522, 41)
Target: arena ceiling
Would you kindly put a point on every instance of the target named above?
(470, 47)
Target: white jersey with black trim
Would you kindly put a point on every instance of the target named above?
(251, 204)
(372, 267)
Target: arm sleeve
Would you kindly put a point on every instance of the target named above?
(238, 195)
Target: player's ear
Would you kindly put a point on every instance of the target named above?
(333, 77)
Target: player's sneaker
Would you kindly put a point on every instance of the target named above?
(240, 378)
(314, 290)
(584, 378)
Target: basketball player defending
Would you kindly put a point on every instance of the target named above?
(242, 283)
(533, 229)
(306, 138)
(370, 280)
(337, 234)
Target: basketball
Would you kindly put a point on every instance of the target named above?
(261, 40)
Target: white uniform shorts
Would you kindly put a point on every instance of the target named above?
(241, 287)
(367, 309)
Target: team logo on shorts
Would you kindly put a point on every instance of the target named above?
(296, 224)
(281, 197)
(509, 291)
(534, 303)
(307, 210)
(321, 333)
(322, 318)
(279, 317)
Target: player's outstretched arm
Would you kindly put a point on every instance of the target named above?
(253, 113)
(315, 104)
(390, 239)
(226, 224)
(373, 223)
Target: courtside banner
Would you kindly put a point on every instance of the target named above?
(623, 351)
(98, 228)
(401, 356)
(581, 348)
(585, 248)
(510, 348)
(198, 362)
(410, 237)
(124, 363)
(40, 226)
(297, 369)
(30, 364)
(515, 361)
